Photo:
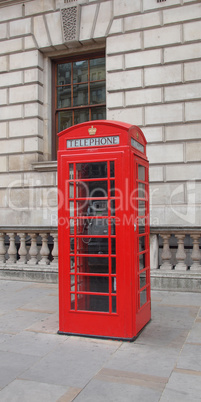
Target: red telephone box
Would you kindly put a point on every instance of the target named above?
(103, 228)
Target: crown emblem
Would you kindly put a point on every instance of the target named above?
(92, 130)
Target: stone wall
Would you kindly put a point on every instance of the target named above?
(153, 58)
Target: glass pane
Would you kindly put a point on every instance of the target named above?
(91, 170)
(142, 261)
(112, 207)
(141, 172)
(93, 303)
(71, 226)
(72, 283)
(94, 265)
(112, 169)
(72, 300)
(95, 245)
(142, 280)
(97, 284)
(97, 69)
(90, 226)
(113, 265)
(114, 285)
(141, 208)
(112, 188)
(71, 172)
(80, 116)
(71, 208)
(71, 190)
(113, 227)
(98, 113)
(143, 297)
(141, 243)
(114, 308)
(80, 71)
(72, 264)
(141, 229)
(64, 120)
(64, 74)
(72, 245)
(97, 93)
(92, 189)
(113, 245)
(141, 190)
(63, 97)
(80, 95)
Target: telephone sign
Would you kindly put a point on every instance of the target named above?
(103, 229)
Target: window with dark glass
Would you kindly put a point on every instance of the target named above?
(79, 92)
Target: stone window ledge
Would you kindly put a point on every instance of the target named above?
(45, 166)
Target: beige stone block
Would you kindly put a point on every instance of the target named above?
(123, 80)
(38, 6)
(183, 132)
(10, 112)
(192, 71)
(20, 199)
(156, 173)
(162, 36)
(116, 26)
(115, 99)
(3, 130)
(184, 52)
(115, 63)
(165, 153)
(152, 4)
(3, 203)
(3, 63)
(143, 96)
(193, 151)
(142, 21)
(103, 19)
(10, 13)
(25, 128)
(192, 110)
(182, 92)
(3, 31)
(33, 75)
(20, 27)
(36, 179)
(127, 115)
(40, 32)
(167, 194)
(144, 58)
(182, 14)
(153, 134)
(11, 45)
(11, 180)
(87, 17)
(10, 79)
(26, 93)
(10, 146)
(26, 59)
(33, 110)
(192, 31)
(22, 162)
(163, 75)
(55, 28)
(30, 43)
(124, 43)
(126, 7)
(161, 114)
(183, 172)
(34, 144)
(3, 96)
(3, 164)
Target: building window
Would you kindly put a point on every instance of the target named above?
(79, 92)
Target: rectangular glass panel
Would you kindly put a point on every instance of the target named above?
(97, 284)
(71, 190)
(143, 297)
(71, 208)
(97, 93)
(114, 285)
(92, 189)
(98, 113)
(64, 120)
(81, 115)
(64, 74)
(91, 170)
(113, 265)
(97, 69)
(72, 283)
(64, 97)
(113, 246)
(141, 190)
(71, 245)
(114, 307)
(142, 261)
(80, 71)
(141, 243)
(92, 245)
(112, 188)
(80, 95)
(142, 279)
(141, 208)
(141, 172)
(92, 208)
(71, 226)
(92, 227)
(72, 264)
(71, 171)
(94, 303)
(72, 301)
(112, 172)
(93, 265)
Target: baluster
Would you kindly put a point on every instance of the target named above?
(12, 250)
(22, 250)
(166, 253)
(33, 251)
(2, 248)
(44, 251)
(196, 254)
(55, 249)
(180, 254)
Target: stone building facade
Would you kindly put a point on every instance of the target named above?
(153, 79)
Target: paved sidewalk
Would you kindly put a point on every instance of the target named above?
(38, 365)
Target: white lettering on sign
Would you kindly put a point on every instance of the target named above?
(93, 142)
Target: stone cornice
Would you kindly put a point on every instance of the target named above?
(11, 2)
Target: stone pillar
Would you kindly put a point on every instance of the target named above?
(44, 251)
(12, 250)
(2, 248)
(166, 253)
(22, 250)
(196, 254)
(33, 252)
(55, 249)
(180, 254)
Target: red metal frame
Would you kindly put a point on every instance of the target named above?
(83, 286)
